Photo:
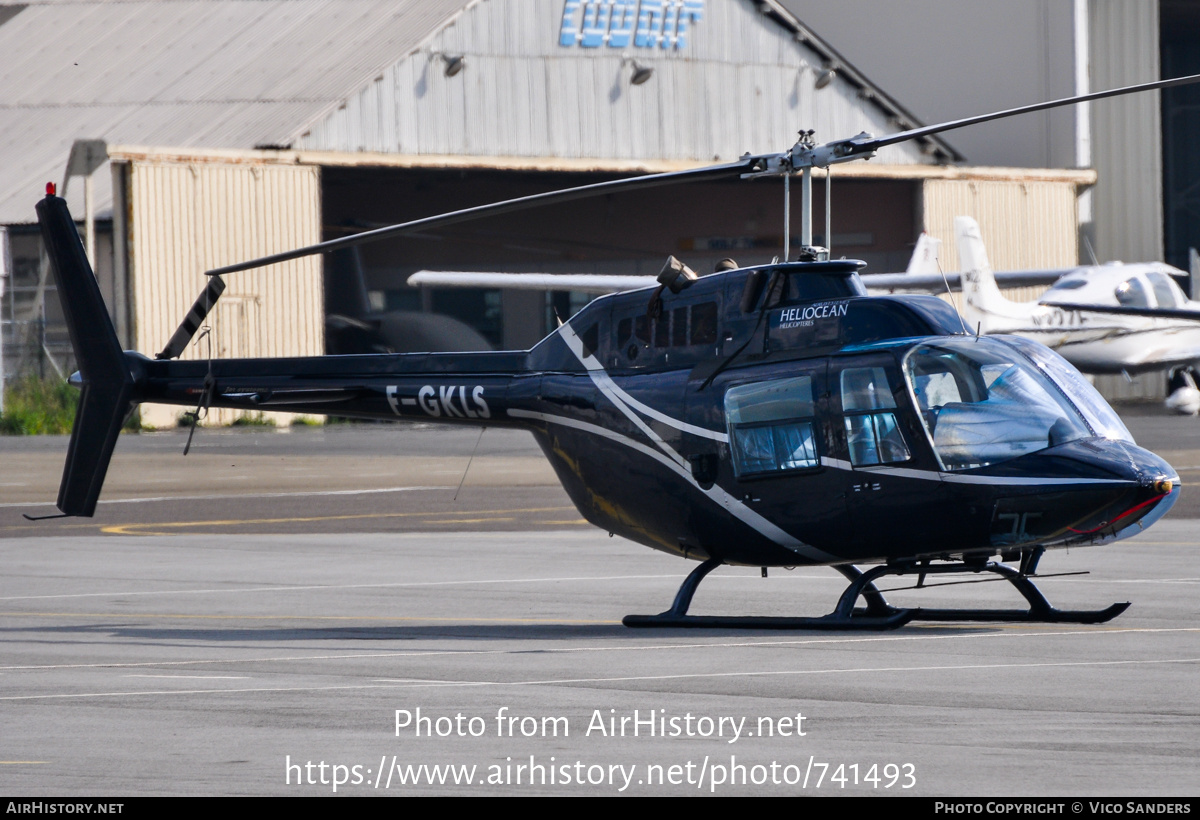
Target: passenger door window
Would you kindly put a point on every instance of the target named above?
(872, 433)
(772, 426)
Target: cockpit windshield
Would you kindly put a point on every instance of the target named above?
(982, 402)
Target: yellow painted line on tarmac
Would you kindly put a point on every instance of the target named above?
(432, 519)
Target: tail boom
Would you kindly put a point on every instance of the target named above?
(465, 388)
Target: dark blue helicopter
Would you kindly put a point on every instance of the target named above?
(768, 416)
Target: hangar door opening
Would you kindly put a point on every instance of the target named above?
(630, 233)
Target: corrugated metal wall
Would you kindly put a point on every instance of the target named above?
(741, 83)
(1126, 132)
(1025, 225)
(189, 217)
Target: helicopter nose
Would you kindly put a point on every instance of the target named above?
(1091, 491)
(1152, 489)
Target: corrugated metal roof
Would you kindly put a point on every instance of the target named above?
(749, 77)
(242, 73)
(213, 73)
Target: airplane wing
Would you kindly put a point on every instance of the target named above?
(1122, 310)
(933, 283)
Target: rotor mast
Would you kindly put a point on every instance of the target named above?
(801, 159)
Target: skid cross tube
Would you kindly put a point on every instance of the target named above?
(878, 614)
(1040, 610)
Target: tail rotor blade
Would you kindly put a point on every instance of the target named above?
(195, 317)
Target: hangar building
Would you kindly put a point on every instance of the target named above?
(203, 132)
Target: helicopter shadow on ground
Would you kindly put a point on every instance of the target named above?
(479, 632)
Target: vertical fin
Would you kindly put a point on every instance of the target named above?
(982, 300)
(925, 256)
(108, 387)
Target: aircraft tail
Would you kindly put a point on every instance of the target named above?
(984, 306)
(109, 391)
(925, 256)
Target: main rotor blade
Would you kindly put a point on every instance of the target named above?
(927, 130)
(743, 165)
(763, 164)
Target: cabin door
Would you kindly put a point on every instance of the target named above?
(891, 493)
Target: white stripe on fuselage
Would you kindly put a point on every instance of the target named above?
(730, 504)
(958, 478)
(666, 455)
(609, 388)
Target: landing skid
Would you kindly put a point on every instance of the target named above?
(878, 614)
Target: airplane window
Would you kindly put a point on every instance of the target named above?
(1164, 290)
(771, 427)
(641, 329)
(794, 445)
(624, 331)
(590, 339)
(1132, 293)
(1087, 399)
(662, 330)
(1068, 284)
(936, 389)
(1007, 409)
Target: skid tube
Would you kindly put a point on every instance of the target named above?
(878, 614)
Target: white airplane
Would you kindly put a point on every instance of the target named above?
(1113, 318)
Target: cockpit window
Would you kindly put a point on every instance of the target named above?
(1164, 291)
(771, 426)
(1068, 284)
(983, 403)
(1103, 420)
(1132, 293)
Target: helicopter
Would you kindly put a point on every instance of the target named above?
(769, 416)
